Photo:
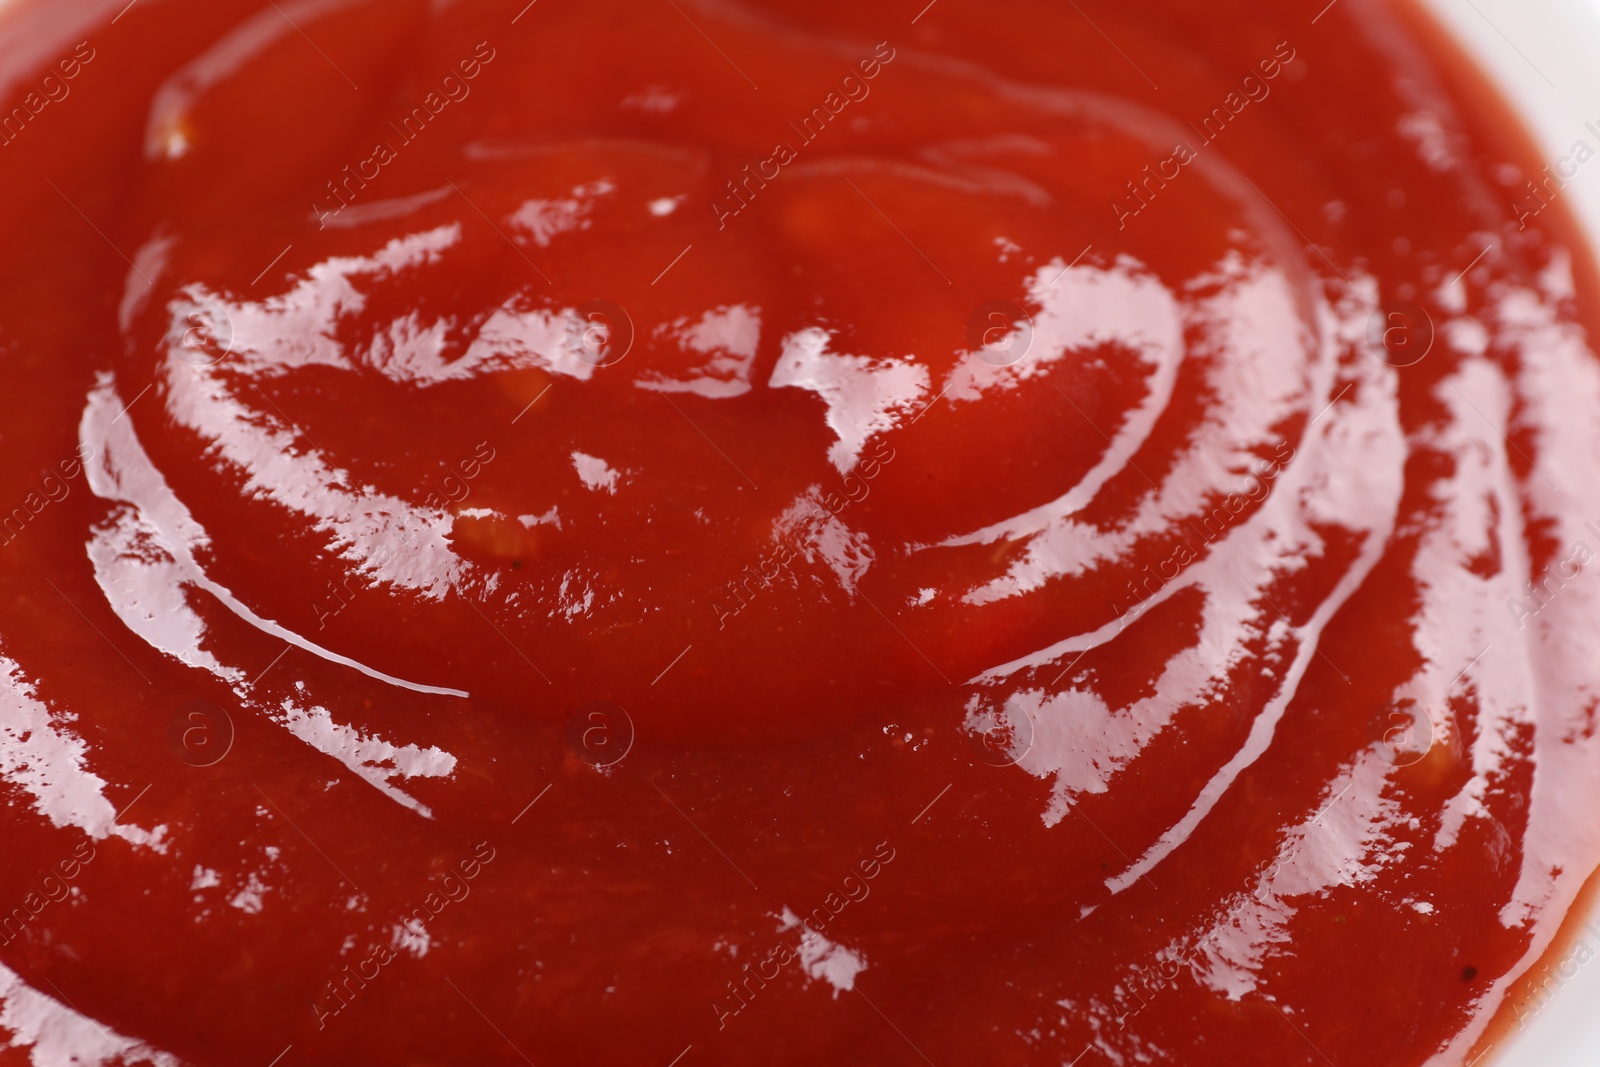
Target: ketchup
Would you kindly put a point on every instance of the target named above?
(777, 533)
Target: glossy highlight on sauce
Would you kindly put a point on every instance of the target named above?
(776, 533)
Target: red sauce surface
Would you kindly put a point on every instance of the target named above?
(785, 533)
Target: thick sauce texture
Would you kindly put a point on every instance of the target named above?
(783, 533)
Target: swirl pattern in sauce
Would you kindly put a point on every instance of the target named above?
(810, 533)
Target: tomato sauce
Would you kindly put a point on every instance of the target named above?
(778, 533)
